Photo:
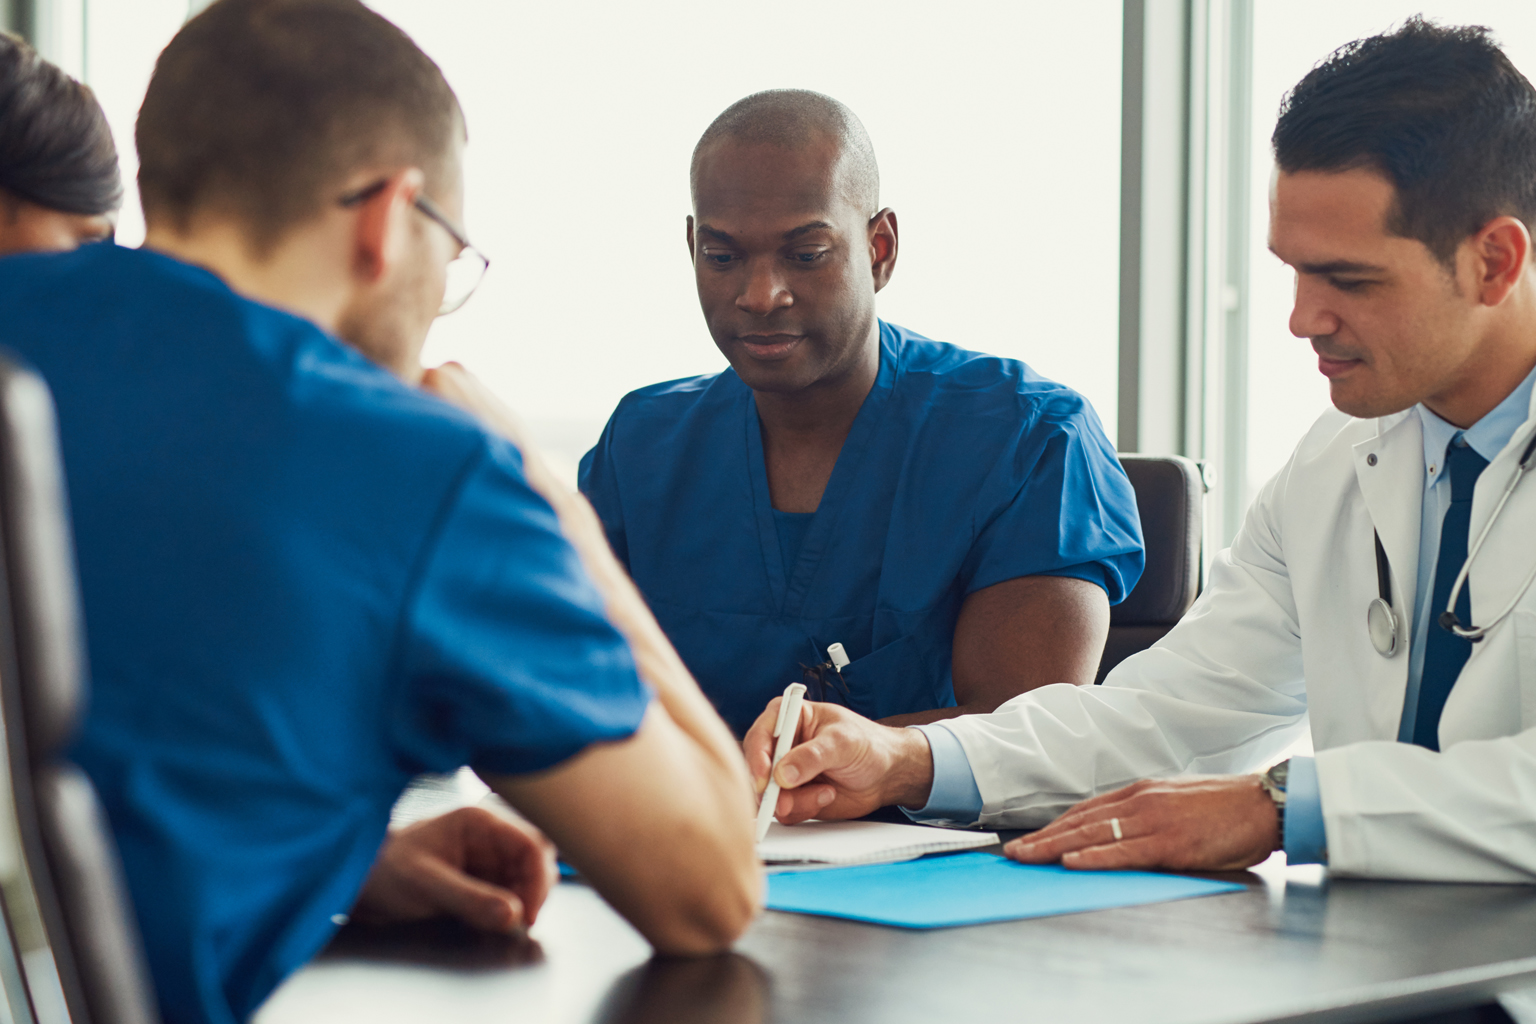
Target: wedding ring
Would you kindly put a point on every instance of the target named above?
(1114, 826)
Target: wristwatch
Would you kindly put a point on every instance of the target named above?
(1273, 782)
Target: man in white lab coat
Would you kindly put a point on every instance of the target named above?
(1404, 199)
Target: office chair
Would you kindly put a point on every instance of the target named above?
(1170, 495)
(66, 843)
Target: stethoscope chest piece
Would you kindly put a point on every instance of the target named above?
(1381, 623)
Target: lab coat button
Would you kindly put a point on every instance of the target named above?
(1370, 460)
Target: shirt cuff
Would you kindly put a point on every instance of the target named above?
(954, 799)
(1306, 836)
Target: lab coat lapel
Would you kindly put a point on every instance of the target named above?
(1390, 471)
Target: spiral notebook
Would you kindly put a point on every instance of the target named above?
(821, 844)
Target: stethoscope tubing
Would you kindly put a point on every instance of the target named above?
(1381, 620)
(1476, 633)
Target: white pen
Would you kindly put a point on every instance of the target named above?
(784, 732)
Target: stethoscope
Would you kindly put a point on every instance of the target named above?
(1381, 621)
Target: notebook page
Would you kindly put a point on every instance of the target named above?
(861, 842)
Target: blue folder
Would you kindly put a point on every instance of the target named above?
(972, 888)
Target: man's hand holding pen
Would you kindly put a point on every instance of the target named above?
(844, 766)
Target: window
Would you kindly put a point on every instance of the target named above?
(1285, 391)
(997, 126)
(122, 38)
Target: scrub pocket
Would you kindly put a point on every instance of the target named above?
(891, 680)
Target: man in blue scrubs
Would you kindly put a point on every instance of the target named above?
(957, 522)
(305, 579)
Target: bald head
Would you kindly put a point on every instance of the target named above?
(795, 119)
(789, 244)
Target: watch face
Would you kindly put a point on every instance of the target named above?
(1278, 774)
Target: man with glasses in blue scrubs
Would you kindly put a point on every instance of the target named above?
(306, 580)
(957, 523)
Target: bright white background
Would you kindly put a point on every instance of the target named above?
(1286, 393)
(997, 128)
(996, 125)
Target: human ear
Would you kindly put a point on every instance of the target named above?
(382, 233)
(690, 238)
(1501, 253)
(882, 246)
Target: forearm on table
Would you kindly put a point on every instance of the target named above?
(1035, 758)
(664, 839)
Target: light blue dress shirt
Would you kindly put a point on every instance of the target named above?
(955, 798)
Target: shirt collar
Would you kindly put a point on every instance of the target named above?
(1488, 436)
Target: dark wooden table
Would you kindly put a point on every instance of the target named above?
(1295, 946)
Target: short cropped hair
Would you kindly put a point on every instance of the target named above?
(259, 109)
(55, 147)
(791, 118)
(1439, 111)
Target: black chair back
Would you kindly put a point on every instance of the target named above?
(66, 843)
(1170, 496)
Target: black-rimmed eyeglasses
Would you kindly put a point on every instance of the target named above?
(465, 271)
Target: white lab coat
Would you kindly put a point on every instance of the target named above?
(1279, 636)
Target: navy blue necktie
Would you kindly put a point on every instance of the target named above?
(1445, 652)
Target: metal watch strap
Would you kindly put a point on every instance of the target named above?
(1274, 783)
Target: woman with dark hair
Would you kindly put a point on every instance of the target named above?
(59, 182)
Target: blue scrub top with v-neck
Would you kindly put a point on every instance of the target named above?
(303, 582)
(961, 471)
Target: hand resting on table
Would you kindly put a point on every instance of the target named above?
(471, 864)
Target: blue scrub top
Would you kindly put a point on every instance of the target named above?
(961, 470)
(303, 583)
